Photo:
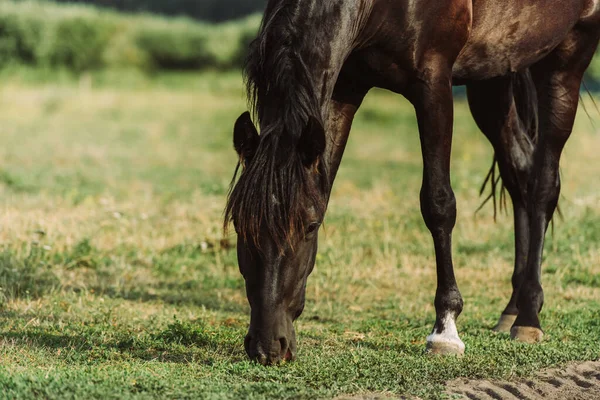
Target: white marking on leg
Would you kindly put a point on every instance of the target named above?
(449, 335)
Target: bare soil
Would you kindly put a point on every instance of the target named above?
(579, 381)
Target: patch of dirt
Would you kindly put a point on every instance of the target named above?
(576, 382)
(373, 396)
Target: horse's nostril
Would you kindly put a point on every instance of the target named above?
(288, 355)
(283, 345)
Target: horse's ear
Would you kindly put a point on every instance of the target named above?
(245, 137)
(312, 142)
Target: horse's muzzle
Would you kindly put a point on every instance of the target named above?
(270, 352)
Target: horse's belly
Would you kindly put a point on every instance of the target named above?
(488, 60)
(509, 36)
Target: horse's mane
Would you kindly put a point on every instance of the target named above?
(266, 197)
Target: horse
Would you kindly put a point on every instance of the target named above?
(307, 73)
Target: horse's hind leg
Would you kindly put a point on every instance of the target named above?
(557, 78)
(505, 110)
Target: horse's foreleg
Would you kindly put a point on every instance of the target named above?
(558, 79)
(433, 102)
(347, 97)
(493, 104)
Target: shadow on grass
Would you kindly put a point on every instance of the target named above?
(176, 293)
(25, 276)
(180, 343)
(28, 273)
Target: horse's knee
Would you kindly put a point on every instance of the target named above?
(438, 206)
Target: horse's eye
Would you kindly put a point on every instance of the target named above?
(313, 227)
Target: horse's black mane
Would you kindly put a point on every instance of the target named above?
(276, 76)
(266, 197)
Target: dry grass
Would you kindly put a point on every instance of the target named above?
(119, 192)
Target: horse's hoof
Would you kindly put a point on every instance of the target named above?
(505, 323)
(445, 348)
(526, 334)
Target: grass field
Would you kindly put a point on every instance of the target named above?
(116, 281)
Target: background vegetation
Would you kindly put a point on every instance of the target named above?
(207, 10)
(116, 280)
(81, 38)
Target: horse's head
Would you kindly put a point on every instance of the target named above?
(277, 207)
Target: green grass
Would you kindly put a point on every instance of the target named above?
(116, 281)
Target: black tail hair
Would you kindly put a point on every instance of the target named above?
(525, 95)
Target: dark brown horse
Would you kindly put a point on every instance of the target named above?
(308, 72)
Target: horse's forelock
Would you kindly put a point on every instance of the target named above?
(271, 197)
(267, 195)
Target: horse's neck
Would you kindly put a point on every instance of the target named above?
(332, 30)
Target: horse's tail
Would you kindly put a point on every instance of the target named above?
(526, 99)
(526, 102)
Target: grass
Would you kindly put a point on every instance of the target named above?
(116, 281)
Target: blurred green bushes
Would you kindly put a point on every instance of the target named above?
(83, 38)
(205, 10)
